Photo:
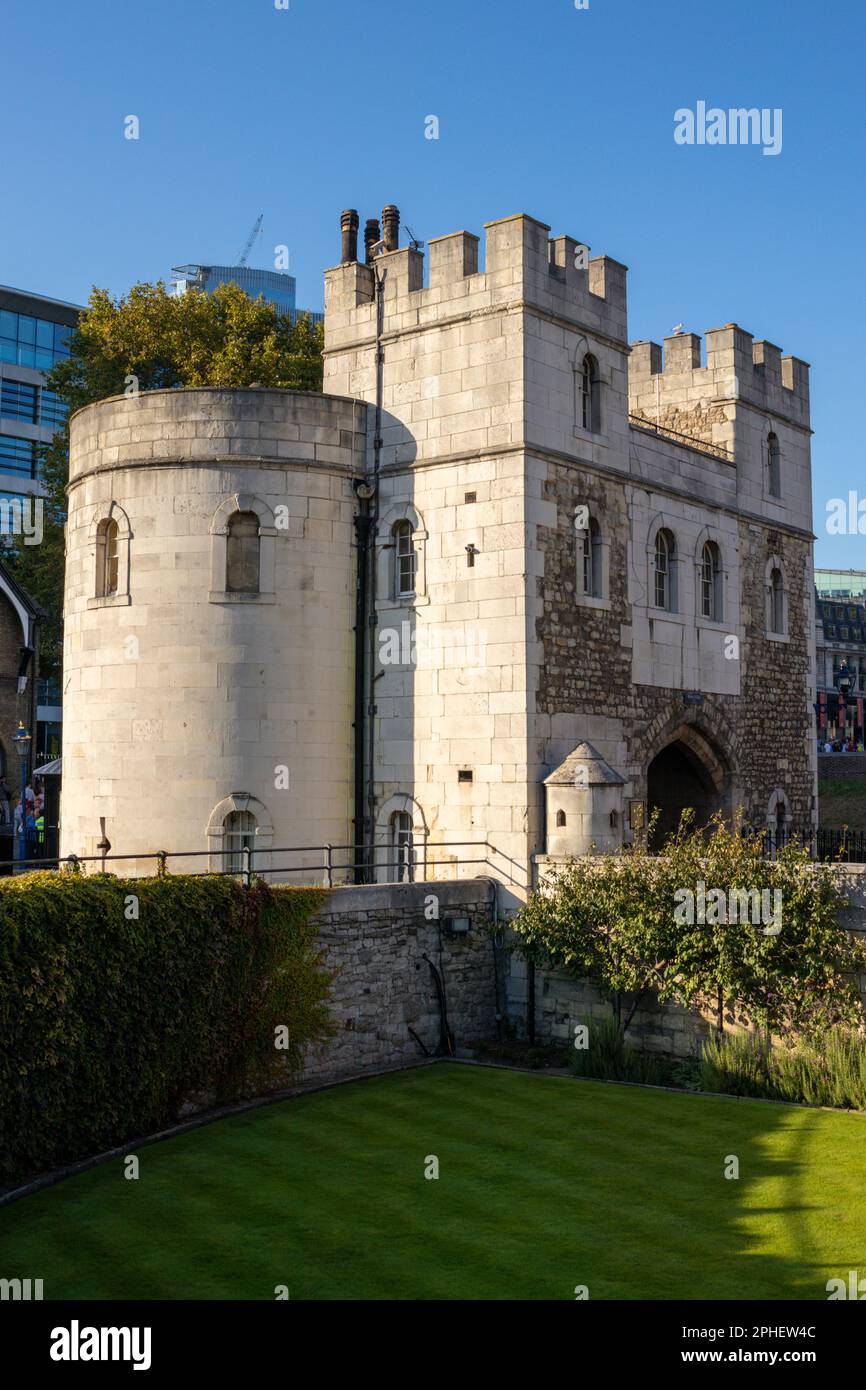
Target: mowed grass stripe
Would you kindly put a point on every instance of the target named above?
(544, 1183)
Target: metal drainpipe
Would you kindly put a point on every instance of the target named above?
(530, 1001)
(497, 991)
(371, 558)
(362, 532)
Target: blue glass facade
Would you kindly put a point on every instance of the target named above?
(34, 337)
(31, 403)
(17, 455)
(27, 341)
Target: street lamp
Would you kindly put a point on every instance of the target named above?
(22, 744)
(845, 682)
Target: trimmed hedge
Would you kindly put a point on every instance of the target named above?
(109, 1020)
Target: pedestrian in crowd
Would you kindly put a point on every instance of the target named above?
(17, 827)
(828, 747)
(5, 802)
(30, 831)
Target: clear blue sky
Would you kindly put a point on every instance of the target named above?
(564, 114)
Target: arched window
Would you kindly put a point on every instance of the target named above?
(591, 554)
(242, 554)
(711, 582)
(560, 818)
(239, 831)
(776, 603)
(589, 415)
(774, 466)
(402, 850)
(111, 536)
(664, 587)
(404, 560)
(107, 558)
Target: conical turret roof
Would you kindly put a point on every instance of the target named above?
(584, 767)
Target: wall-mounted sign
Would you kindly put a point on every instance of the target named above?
(692, 697)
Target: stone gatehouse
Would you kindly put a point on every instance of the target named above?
(598, 551)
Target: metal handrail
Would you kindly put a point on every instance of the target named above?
(330, 865)
(664, 431)
(825, 843)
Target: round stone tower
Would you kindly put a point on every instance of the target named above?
(209, 607)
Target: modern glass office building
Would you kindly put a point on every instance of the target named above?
(277, 286)
(34, 335)
(841, 646)
(832, 584)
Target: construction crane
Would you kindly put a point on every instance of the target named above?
(242, 258)
(416, 244)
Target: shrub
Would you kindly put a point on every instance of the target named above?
(636, 923)
(826, 1070)
(121, 998)
(610, 1058)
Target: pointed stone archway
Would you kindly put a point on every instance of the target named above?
(689, 769)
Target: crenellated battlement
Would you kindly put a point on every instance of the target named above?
(736, 369)
(523, 265)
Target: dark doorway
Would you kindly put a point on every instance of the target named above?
(677, 780)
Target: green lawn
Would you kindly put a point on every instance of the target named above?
(842, 802)
(544, 1183)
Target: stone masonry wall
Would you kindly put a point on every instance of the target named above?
(775, 721)
(756, 711)
(561, 1002)
(378, 937)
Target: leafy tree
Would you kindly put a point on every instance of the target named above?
(151, 339)
(622, 922)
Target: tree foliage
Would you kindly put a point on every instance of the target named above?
(149, 340)
(617, 920)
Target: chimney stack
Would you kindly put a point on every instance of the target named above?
(349, 226)
(371, 236)
(391, 227)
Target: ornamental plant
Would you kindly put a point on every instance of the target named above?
(624, 922)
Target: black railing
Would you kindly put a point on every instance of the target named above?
(826, 843)
(336, 864)
(343, 864)
(704, 446)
